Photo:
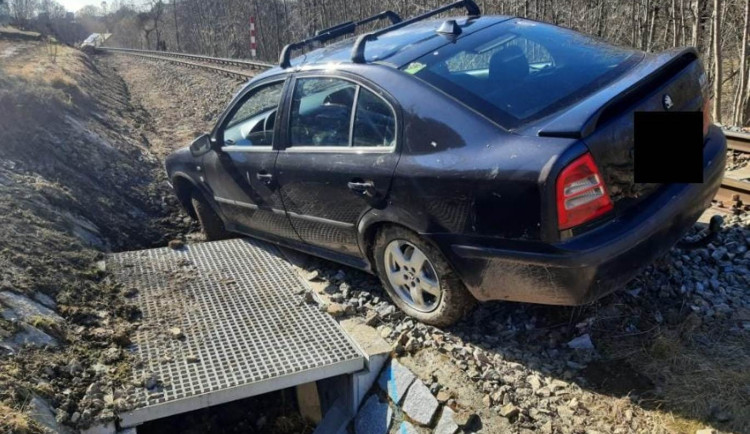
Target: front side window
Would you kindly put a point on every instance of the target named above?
(253, 121)
(518, 71)
(335, 112)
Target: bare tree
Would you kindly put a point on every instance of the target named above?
(718, 30)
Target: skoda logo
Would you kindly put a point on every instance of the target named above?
(667, 101)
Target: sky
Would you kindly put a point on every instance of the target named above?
(74, 5)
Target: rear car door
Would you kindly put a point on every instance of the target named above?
(241, 173)
(340, 151)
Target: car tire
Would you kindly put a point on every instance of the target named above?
(211, 224)
(454, 300)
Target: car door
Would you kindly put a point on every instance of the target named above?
(339, 153)
(240, 171)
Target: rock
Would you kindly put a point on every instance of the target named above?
(535, 382)
(149, 380)
(582, 342)
(371, 318)
(446, 424)
(111, 355)
(487, 400)
(509, 411)
(386, 332)
(443, 396)
(192, 359)
(29, 336)
(564, 411)
(105, 428)
(25, 309)
(419, 404)
(481, 357)
(412, 345)
(385, 309)
(313, 275)
(374, 417)
(465, 418)
(176, 244)
(336, 310)
(706, 431)
(309, 298)
(395, 381)
(176, 333)
(40, 410)
(45, 299)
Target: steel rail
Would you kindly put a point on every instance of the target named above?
(240, 75)
(739, 142)
(253, 64)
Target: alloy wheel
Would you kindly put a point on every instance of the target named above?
(412, 276)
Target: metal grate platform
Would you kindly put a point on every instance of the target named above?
(246, 329)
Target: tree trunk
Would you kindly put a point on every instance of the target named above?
(176, 25)
(717, 60)
(696, 9)
(742, 85)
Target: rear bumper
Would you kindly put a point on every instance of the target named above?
(593, 264)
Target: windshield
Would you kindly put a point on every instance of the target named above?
(519, 71)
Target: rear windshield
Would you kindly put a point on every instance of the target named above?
(519, 70)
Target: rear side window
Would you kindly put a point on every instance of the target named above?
(374, 122)
(332, 112)
(519, 71)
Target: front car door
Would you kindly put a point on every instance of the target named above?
(241, 171)
(338, 157)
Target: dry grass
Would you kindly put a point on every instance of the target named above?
(15, 421)
(703, 372)
(14, 31)
(45, 69)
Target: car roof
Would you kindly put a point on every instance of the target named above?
(396, 48)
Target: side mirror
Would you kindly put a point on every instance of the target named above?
(201, 145)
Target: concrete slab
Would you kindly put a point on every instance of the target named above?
(373, 418)
(395, 380)
(407, 428)
(420, 405)
(446, 424)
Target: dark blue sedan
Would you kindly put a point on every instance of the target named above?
(461, 159)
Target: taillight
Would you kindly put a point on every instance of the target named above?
(581, 194)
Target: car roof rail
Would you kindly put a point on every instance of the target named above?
(340, 29)
(358, 50)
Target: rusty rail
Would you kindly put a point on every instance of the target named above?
(192, 60)
(738, 142)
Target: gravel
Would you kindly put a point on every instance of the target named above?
(591, 368)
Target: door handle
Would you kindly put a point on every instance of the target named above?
(361, 187)
(264, 177)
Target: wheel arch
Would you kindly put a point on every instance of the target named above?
(184, 188)
(368, 228)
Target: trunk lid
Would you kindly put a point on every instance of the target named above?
(605, 120)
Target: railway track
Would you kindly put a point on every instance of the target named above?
(243, 70)
(730, 190)
(734, 186)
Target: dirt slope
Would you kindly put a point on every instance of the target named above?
(77, 178)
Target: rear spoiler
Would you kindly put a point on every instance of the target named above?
(583, 118)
